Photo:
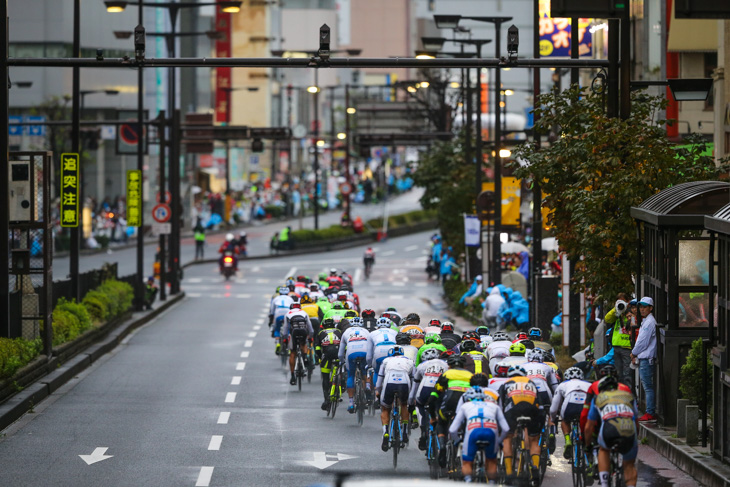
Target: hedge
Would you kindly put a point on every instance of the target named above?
(409, 218)
(70, 319)
(690, 376)
(17, 352)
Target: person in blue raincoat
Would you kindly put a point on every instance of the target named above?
(447, 264)
(504, 315)
(520, 309)
(474, 291)
(524, 268)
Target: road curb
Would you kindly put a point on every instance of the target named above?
(24, 401)
(704, 468)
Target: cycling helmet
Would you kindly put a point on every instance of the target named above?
(322, 276)
(323, 299)
(455, 361)
(608, 383)
(472, 335)
(534, 355)
(447, 327)
(328, 323)
(355, 321)
(435, 322)
(351, 314)
(607, 370)
(468, 346)
(481, 380)
(432, 338)
(403, 339)
(338, 305)
(314, 287)
(413, 319)
(573, 373)
(295, 306)
(368, 313)
(430, 354)
(516, 371)
(473, 394)
(500, 336)
(501, 369)
(306, 299)
(345, 287)
(283, 290)
(445, 355)
(535, 333)
(521, 336)
(395, 351)
(333, 272)
(517, 350)
(482, 330)
(392, 309)
(547, 356)
(229, 237)
(383, 323)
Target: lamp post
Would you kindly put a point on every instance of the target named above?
(173, 9)
(84, 93)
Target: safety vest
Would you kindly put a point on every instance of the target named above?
(621, 336)
(199, 237)
(284, 235)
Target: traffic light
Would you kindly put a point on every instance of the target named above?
(257, 146)
(90, 138)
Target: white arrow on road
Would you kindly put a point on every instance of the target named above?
(96, 456)
(321, 462)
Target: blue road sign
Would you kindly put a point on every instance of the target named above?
(36, 130)
(15, 129)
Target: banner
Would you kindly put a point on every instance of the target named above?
(555, 34)
(134, 198)
(510, 200)
(471, 230)
(70, 190)
(223, 75)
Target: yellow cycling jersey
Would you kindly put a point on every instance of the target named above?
(416, 333)
(518, 390)
(311, 309)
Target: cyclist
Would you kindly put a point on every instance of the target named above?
(517, 353)
(354, 346)
(474, 360)
(500, 376)
(405, 340)
(568, 402)
(430, 341)
(484, 337)
(369, 319)
(298, 325)
(424, 379)
(338, 309)
(415, 332)
(449, 339)
(327, 344)
(396, 374)
(314, 312)
(498, 349)
(518, 397)
(445, 397)
(484, 422)
(535, 335)
(614, 412)
(368, 260)
(315, 292)
(278, 308)
(411, 319)
(605, 371)
(392, 314)
(380, 342)
(434, 326)
(546, 381)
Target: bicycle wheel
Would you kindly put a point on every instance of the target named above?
(284, 355)
(480, 475)
(395, 438)
(299, 369)
(433, 453)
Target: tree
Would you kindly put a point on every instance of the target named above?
(596, 170)
(449, 187)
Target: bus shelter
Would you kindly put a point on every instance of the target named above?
(674, 248)
(719, 227)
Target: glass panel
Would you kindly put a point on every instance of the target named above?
(693, 309)
(693, 268)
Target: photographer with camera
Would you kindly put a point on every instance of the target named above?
(620, 338)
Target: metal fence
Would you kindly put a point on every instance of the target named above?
(88, 281)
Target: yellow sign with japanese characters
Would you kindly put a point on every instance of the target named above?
(70, 190)
(134, 198)
(510, 200)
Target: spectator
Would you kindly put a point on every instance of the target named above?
(274, 244)
(474, 291)
(199, 235)
(150, 293)
(645, 352)
(620, 338)
(284, 239)
(493, 303)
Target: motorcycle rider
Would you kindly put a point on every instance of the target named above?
(229, 247)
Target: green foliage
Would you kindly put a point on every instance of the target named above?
(403, 219)
(275, 211)
(120, 295)
(690, 376)
(448, 180)
(16, 353)
(66, 326)
(329, 233)
(98, 305)
(596, 170)
(76, 309)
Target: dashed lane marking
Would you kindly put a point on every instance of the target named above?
(410, 248)
(215, 443)
(193, 295)
(420, 284)
(194, 280)
(376, 283)
(388, 253)
(223, 417)
(240, 365)
(262, 281)
(260, 321)
(398, 284)
(206, 473)
(248, 343)
(231, 397)
(257, 327)
(245, 354)
(252, 334)
(243, 296)
(236, 380)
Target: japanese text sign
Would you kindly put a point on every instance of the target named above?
(134, 198)
(555, 34)
(70, 190)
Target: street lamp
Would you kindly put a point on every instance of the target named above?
(232, 7)
(683, 89)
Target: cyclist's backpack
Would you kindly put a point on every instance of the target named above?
(299, 328)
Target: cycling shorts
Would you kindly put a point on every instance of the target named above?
(572, 412)
(487, 435)
(448, 405)
(299, 336)
(351, 366)
(627, 446)
(423, 395)
(386, 396)
(537, 417)
(544, 399)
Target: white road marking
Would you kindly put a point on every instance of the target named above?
(399, 284)
(257, 327)
(245, 354)
(215, 443)
(291, 272)
(230, 397)
(262, 281)
(193, 295)
(215, 295)
(96, 456)
(420, 284)
(241, 281)
(243, 296)
(194, 280)
(396, 296)
(425, 252)
(236, 380)
(248, 343)
(240, 365)
(410, 248)
(256, 269)
(252, 334)
(260, 321)
(388, 253)
(376, 283)
(224, 417)
(356, 277)
(206, 473)
(268, 296)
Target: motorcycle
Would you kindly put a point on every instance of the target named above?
(228, 264)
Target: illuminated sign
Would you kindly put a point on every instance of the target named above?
(555, 34)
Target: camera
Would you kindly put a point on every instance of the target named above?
(621, 307)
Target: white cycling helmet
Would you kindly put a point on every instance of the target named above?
(573, 373)
(355, 321)
(430, 354)
(534, 355)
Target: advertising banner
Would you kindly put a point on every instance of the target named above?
(555, 34)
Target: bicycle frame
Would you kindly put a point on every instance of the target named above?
(395, 429)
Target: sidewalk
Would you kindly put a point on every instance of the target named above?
(694, 460)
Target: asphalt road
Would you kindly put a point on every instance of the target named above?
(198, 398)
(259, 236)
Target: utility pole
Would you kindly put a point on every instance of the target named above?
(139, 288)
(75, 121)
(4, 178)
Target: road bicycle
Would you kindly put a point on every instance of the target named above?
(432, 452)
(360, 399)
(395, 429)
(544, 452)
(368, 269)
(336, 387)
(479, 474)
(311, 362)
(579, 461)
(299, 369)
(521, 458)
(372, 400)
(453, 465)
(616, 470)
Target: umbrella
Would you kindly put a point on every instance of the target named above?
(550, 243)
(513, 248)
